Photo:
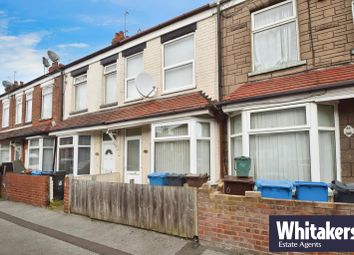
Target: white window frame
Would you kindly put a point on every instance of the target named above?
(166, 68)
(80, 80)
(107, 74)
(18, 117)
(311, 126)
(40, 147)
(29, 100)
(127, 79)
(270, 26)
(75, 145)
(5, 105)
(192, 137)
(2, 149)
(353, 10)
(47, 90)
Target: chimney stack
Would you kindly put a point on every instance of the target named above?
(118, 37)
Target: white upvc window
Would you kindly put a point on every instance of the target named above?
(47, 102)
(275, 37)
(28, 117)
(110, 83)
(182, 147)
(74, 154)
(288, 143)
(353, 10)
(5, 153)
(80, 93)
(5, 113)
(17, 151)
(134, 66)
(41, 153)
(178, 64)
(18, 109)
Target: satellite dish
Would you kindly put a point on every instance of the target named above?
(145, 85)
(45, 62)
(53, 56)
(6, 84)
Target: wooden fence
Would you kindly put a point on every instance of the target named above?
(170, 210)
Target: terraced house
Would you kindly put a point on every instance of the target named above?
(288, 80)
(28, 111)
(273, 80)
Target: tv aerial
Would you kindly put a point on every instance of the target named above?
(145, 85)
(53, 56)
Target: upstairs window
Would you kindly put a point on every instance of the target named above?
(110, 81)
(275, 37)
(178, 64)
(28, 117)
(80, 85)
(19, 109)
(47, 97)
(5, 113)
(135, 65)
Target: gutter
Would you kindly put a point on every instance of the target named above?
(330, 86)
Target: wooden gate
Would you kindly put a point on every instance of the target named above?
(170, 210)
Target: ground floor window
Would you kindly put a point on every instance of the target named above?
(292, 143)
(75, 154)
(182, 147)
(4, 152)
(41, 153)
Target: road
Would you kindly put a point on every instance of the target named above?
(30, 230)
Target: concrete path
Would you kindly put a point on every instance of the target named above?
(26, 229)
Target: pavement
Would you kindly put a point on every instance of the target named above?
(26, 229)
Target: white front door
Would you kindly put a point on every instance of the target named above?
(133, 159)
(108, 157)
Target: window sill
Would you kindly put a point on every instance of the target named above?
(78, 112)
(108, 105)
(168, 92)
(299, 63)
(45, 119)
(28, 123)
(132, 100)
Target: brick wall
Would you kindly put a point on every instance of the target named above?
(346, 117)
(29, 189)
(239, 222)
(332, 38)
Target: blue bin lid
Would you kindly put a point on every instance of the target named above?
(316, 184)
(158, 174)
(274, 183)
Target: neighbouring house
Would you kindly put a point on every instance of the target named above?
(288, 88)
(27, 112)
(109, 127)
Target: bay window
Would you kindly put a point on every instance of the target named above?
(5, 113)
(288, 143)
(80, 87)
(182, 147)
(41, 153)
(47, 97)
(110, 81)
(4, 152)
(275, 37)
(178, 64)
(18, 118)
(134, 65)
(28, 117)
(75, 154)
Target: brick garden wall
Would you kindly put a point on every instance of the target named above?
(29, 189)
(67, 194)
(239, 222)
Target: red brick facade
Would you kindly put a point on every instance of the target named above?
(29, 189)
(239, 222)
(67, 194)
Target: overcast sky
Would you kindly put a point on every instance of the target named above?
(71, 28)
